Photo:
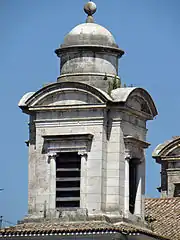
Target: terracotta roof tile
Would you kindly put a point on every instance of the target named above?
(58, 226)
(164, 215)
(74, 227)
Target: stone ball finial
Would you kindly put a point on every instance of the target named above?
(90, 8)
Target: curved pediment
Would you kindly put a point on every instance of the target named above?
(174, 152)
(170, 148)
(137, 99)
(69, 96)
(139, 104)
(65, 94)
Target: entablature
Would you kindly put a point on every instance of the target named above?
(134, 148)
(73, 142)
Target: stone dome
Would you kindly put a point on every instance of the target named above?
(89, 53)
(89, 34)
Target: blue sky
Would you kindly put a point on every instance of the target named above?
(147, 30)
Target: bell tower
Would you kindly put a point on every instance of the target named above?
(86, 143)
(168, 156)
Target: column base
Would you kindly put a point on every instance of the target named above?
(62, 215)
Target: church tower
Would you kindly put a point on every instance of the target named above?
(168, 156)
(87, 134)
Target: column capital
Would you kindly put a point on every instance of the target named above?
(137, 161)
(127, 155)
(82, 153)
(51, 156)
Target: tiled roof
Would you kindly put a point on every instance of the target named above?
(48, 226)
(164, 214)
(71, 228)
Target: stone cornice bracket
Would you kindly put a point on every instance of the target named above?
(51, 156)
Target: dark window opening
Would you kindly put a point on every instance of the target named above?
(177, 190)
(70, 204)
(164, 178)
(61, 184)
(65, 193)
(68, 172)
(132, 184)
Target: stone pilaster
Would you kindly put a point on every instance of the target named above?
(126, 186)
(138, 202)
(83, 186)
(52, 181)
